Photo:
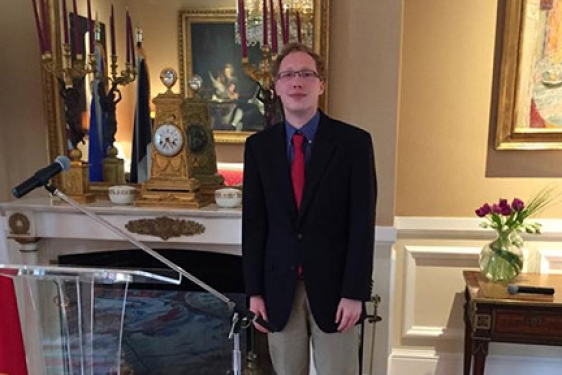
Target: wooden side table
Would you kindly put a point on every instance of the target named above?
(491, 314)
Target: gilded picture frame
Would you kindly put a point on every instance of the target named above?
(529, 112)
(197, 22)
(207, 49)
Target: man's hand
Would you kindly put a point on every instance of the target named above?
(349, 312)
(257, 306)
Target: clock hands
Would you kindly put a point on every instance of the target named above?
(168, 142)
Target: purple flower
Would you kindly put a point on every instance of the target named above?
(506, 210)
(503, 203)
(496, 209)
(518, 205)
(484, 210)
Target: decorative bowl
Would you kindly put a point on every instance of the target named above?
(228, 197)
(122, 194)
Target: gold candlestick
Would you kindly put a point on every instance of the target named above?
(262, 76)
(69, 69)
(125, 76)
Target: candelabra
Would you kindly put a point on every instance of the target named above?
(70, 69)
(294, 18)
(261, 74)
(125, 76)
(113, 167)
(70, 74)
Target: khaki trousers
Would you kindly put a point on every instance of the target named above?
(333, 353)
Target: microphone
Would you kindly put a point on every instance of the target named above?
(42, 176)
(514, 289)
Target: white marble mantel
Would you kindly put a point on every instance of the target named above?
(56, 228)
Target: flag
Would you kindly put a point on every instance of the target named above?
(96, 150)
(142, 133)
(12, 351)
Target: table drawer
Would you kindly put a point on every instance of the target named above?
(527, 323)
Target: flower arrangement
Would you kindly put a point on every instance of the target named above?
(502, 259)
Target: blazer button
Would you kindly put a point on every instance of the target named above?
(299, 236)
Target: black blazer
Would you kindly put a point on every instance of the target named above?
(332, 235)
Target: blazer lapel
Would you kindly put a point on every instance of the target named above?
(281, 170)
(322, 152)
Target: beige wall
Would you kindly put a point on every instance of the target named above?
(22, 124)
(445, 166)
(364, 71)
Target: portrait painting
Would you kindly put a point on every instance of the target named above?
(211, 52)
(530, 92)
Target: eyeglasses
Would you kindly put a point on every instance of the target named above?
(289, 74)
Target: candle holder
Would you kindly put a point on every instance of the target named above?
(261, 74)
(125, 76)
(70, 69)
(113, 167)
(70, 74)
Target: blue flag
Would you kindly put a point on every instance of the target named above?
(140, 159)
(96, 151)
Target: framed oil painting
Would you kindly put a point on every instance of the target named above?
(208, 49)
(530, 80)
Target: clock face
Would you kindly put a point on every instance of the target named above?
(168, 76)
(168, 139)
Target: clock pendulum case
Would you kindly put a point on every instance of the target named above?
(200, 142)
(171, 182)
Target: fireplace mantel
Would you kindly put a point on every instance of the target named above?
(51, 228)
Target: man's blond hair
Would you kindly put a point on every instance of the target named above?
(299, 47)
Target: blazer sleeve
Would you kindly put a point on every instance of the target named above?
(254, 222)
(363, 195)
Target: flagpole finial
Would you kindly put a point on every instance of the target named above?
(139, 36)
(97, 30)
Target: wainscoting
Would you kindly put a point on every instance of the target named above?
(426, 362)
(428, 328)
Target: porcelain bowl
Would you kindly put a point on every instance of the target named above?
(228, 197)
(122, 194)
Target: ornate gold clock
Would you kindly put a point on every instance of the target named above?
(172, 181)
(201, 144)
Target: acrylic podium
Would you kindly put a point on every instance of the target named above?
(64, 333)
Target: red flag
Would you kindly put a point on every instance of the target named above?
(12, 352)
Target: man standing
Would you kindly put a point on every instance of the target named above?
(308, 224)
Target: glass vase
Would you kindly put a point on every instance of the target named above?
(502, 259)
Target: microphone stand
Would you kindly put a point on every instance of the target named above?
(234, 333)
(241, 316)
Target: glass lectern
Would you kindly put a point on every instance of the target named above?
(64, 333)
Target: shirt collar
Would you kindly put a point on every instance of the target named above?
(309, 129)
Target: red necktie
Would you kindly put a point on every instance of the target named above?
(297, 169)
